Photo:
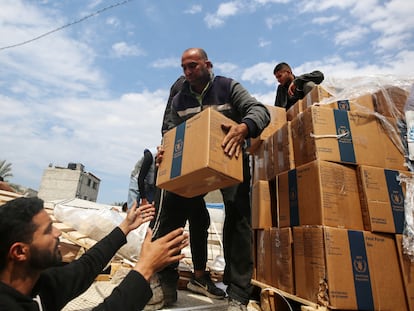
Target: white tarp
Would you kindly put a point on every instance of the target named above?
(96, 221)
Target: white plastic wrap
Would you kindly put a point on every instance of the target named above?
(98, 222)
(408, 232)
(409, 116)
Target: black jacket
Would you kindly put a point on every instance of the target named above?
(282, 97)
(59, 285)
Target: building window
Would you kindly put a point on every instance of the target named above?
(95, 184)
(89, 182)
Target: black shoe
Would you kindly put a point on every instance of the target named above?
(206, 287)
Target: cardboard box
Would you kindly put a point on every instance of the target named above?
(277, 120)
(349, 137)
(294, 110)
(318, 94)
(264, 256)
(362, 103)
(274, 155)
(281, 242)
(326, 192)
(263, 205)
(287, 199)
(194, 161)
(263, 161)
(346, 269)
(283, 159)
(390, 101)
(393, 147)
(407, 270)
(254, 254)
(382, 199)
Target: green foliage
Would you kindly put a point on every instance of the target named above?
(5, 169)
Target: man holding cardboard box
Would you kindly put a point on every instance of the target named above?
(201, 90)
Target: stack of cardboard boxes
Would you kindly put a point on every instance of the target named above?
(328, 207)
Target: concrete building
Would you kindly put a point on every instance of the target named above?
(68, 183)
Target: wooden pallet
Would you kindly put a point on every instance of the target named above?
(6, 196)
(274, 299)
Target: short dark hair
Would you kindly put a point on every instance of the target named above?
(282, 66)
(16, 223)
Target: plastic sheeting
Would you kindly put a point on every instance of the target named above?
(393, 100)
(96, 221)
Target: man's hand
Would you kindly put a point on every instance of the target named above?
(136, 216)
(234, 140)
(160, 253)
(159, 156)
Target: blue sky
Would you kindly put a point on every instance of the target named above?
(94, 92)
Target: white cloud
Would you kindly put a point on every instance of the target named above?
(263, 2)
(94, 3)
(325, 19)
(261, 72)
(264, 43)
(322, 5)
(213, 21)
(124, 49)
(171, 62)
(55, 61)
(351, 35)
(228, 9)
(227, 69)
(224, 11)
(389, 23)
(81, 130)
(113, 21)
(194, 9)
(390, 43)
(275, 20)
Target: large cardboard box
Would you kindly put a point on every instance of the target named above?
(349, 137)
(282, 156)
(277, 120)
(382, 199)
(262, 211)
(390, 101)
(346, 269)
(318, 94)
(281, 243)
(294, 110)
(194, 161)
(407, 270)
(274, 155)
(325, 193)
(263, 161)
(263, 256)
(287, 199)
(362, 103)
